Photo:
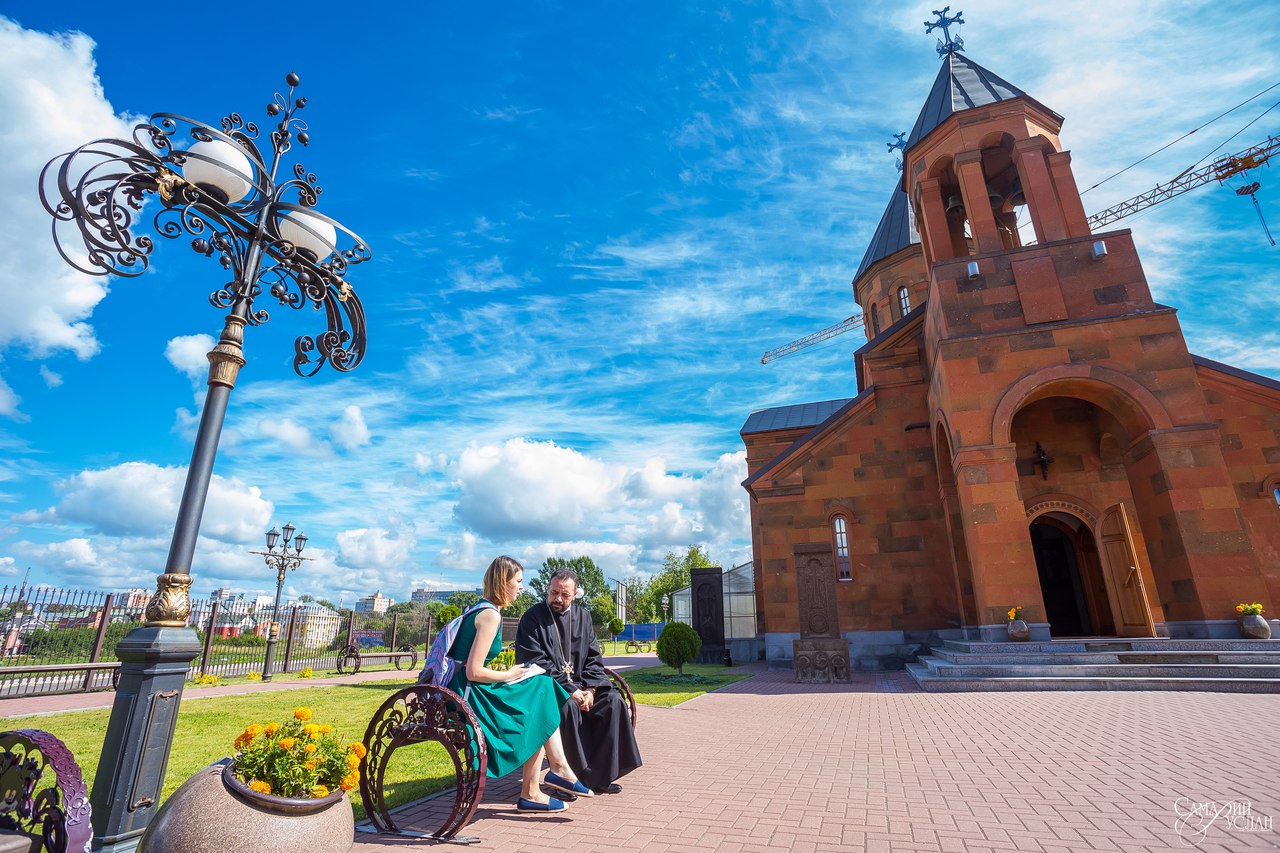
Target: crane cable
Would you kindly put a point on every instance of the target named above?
(1189, 132)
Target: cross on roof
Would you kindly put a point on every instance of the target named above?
(899, 144)
(944, 23)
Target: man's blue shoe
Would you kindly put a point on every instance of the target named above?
(562, 784)
(533, 806)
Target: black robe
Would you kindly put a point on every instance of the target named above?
(600, 744)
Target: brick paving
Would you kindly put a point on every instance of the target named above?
(877, 765)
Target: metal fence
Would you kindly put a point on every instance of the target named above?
(63, 640)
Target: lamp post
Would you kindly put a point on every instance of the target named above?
(224, 190)
(282, 561)
(666, 600)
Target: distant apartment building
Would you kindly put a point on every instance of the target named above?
(423, 595)
(376, 603)
(317, 626)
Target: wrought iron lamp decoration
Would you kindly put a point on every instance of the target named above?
(282, 561)
(218, 187)
(1041, 460)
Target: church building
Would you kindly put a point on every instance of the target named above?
(1029, 430)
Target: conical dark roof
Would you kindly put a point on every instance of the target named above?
(963, 84)
(895, 231)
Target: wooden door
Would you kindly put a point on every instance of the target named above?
(1123, 565)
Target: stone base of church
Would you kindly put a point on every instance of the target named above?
(869, 651)
(1212, 629)
(745, 649)
(999, 633)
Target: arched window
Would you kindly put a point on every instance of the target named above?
(875, 320)
(904, 301)
(840, 538)
(1276, 494)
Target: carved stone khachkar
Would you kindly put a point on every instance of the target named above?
(707, 591)
(821, 655)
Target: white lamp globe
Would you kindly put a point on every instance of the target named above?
(309, 233)
(220, 166)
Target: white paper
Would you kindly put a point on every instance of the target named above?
(532, 670)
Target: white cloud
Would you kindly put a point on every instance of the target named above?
(190, 355)
(52, 102)
(139, 498)
(9, 402)
(293, 436)
(51, 379)
(350, 433)
(374, 548)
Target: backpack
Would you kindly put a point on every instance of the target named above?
(439, 667)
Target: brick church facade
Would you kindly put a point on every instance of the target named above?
(1029, 429)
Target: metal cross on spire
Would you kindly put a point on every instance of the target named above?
(899, 144)
(949, 45)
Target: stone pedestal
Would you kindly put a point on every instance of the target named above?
(819, 661)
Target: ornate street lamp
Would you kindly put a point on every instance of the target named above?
(281, 560)
(219, 187)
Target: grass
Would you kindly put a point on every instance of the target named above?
(664, 687)
(207, 727)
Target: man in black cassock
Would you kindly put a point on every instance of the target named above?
(595, 724)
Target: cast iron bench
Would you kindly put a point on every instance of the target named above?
(55, 819)
(351, 658)
(424, 713)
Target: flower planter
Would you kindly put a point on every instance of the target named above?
(1254, 627)
(214, 812)
(1019, 630)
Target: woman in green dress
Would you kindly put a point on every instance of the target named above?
(520, 716)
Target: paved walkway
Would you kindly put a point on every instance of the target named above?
(877, 765)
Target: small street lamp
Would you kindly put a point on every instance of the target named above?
(666, 610)
(223, 188)
(282, 561)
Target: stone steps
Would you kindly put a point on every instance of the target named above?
(1251, 666)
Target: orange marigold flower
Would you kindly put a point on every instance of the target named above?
(253, 730)
(302, 713)
(272, 728)
(320, 791)
(1239, 608)
(350, 780)
(288, 742)
(358, 749)
(310, 765)
(353, 761)
(326, 729)
(260, 787)
(311, 729)
(310, 748)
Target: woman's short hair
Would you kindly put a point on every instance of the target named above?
(496, 578)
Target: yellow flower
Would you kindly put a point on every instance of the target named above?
(353, 761)
(358, 749)
(241, 742)
(319, 791)
(1239, 608)
(260, 787)
(310, 765)
(253, 731)
(309, 748)
(326, 729)
(288, 742)
(350, 780)
(272, 728)
(301, 713)
(311, 729)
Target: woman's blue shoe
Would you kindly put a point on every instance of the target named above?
(562, 784)
(533, 806)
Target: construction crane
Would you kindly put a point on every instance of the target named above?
(1221, 170)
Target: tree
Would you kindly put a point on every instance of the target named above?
(678, 644)
(463, 600)
(448, 613)
(615, 626)
(517, 608)
(324, 602)
(675, 574)
(590, 579)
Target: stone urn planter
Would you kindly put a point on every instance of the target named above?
(214, 812)
(1019, 630)
(1254, 627)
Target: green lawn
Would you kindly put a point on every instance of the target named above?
(207, 726)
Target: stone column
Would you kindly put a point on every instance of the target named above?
(997, 538)
(1064, 183)
(1042, 198)
(977, 203)
(932, 215)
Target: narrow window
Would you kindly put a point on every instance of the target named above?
(840, 533)
(875, 320)
(904, 301)
(1276, 493)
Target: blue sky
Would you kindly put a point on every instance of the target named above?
(588, 223)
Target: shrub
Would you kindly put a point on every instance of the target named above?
(255, 676)
(678, 644)
(447, 614)
(503, 660)
(307, 672)
(207, 680)
(615, 626)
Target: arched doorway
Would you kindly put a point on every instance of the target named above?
(1071, 578)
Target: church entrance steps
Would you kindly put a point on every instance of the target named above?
(1101, 664)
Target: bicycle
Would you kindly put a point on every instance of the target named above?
(634, 647)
